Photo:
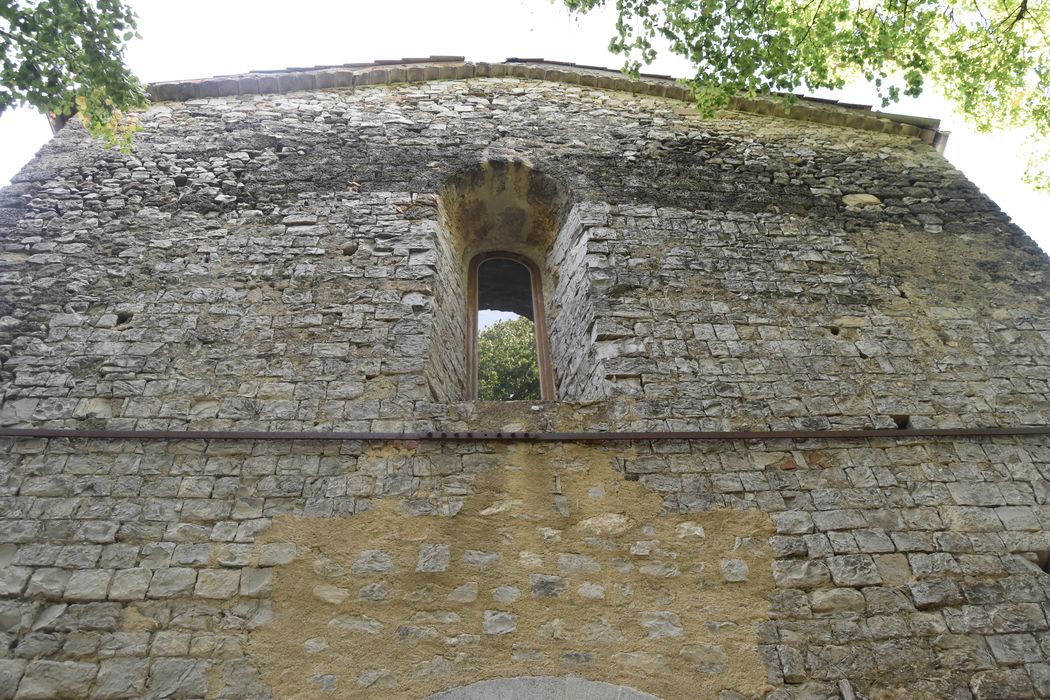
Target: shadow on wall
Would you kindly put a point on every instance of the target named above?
(503, 205)
(541, 688)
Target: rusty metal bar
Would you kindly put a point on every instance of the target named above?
(479, 436)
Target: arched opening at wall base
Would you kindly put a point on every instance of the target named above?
(541, 688)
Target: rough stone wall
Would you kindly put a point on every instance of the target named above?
(578, 371)
(306, 230)
(280, 262)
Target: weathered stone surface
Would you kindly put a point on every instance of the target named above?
(171, 582)
(178, 678)
(506, 594)
(277, 553)
(661, 624)
(577, 563)
(373, 561)
(130, 584)
(121, 678)
(480, 560)
(705, 658)
(466, 593)
(217, 583)
(544, 586)
(331, 594)
(352, 623)
(801, 574)
(256, 583)
(433, 558)
(53, 680)
(498, 622)
(288, 252)
(837, 600)
(854, 570)
(734, 570)
(860, 200)
(11, 671)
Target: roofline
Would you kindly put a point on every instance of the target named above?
(414, 70)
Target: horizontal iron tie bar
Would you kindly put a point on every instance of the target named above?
(517, 436)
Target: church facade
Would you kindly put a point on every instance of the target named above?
(792, 441)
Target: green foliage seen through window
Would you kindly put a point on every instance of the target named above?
(507, 365)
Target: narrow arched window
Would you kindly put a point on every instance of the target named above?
(505, 307)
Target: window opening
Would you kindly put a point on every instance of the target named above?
(507, 339)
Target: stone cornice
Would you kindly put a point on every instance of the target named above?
(415, 70)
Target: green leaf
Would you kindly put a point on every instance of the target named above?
(66, 57)
(507, 365)
(991, 57)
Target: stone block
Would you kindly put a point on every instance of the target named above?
(1022, 518)
(935, 594)
(121, 678)
(660, 624)
(577, 563)
(894, 569)
(91, 584)
(792, 664)
(13, 580)
(1001, 684)
(217, 583)
(734, 570)
(480, 560)
(705, 658)
(47, 583)
(235, 555)
(837, 600)
(372, 561)
(506, 594)
(854, 570)
(11, 671)
(1015, 649)
(1040, 674)
(56, 680)
(433, 558)
(465, 593)
(801, 574)
(277, 553)
(178, 678)
(544, 586)
(330, 594)
(191, 555)
(498, 622)
(130, 584)
(256, 582)
(356, 623)
(167, 583)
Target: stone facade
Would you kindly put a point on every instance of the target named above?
(286, 252)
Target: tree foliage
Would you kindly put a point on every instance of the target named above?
(507, 366)
(990, 57)
(66, 57)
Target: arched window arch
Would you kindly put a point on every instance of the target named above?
(509, 282)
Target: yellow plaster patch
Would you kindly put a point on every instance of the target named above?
(642, 597)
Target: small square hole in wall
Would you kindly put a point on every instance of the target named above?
(1042, 560)
(902, 421)
(123, 318)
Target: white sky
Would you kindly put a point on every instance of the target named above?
(198, 39)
